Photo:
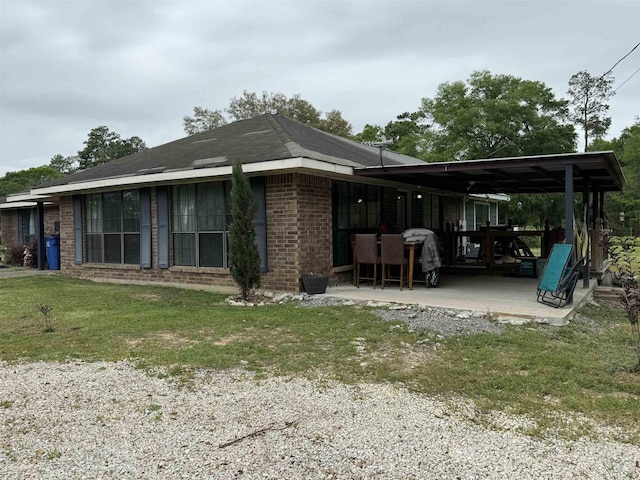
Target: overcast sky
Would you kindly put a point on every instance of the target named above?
(139, 66)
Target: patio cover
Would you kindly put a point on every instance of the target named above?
(590, 171)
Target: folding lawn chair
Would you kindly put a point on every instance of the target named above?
(559, 278)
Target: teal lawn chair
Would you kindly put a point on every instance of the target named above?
(559, 278)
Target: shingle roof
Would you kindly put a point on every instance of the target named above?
(262, 138)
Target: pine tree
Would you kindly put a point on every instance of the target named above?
(244, 258)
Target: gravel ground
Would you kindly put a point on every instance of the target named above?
(112, 421)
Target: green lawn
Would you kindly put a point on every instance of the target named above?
(582, 369)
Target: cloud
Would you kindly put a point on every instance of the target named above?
(139, 66)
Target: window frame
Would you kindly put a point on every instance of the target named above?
(107, 226)
(219, 219)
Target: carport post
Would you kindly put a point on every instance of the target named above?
(568, 209)
(40, 235)
(585, 207)
(568, 203)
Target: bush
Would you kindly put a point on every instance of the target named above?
(30, 258)
(623, 255)
(15, 255)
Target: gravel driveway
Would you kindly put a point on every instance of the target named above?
(111, 421)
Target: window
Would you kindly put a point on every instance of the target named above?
(200, 220)
(482, 215)
(113, 227)
(28, 226)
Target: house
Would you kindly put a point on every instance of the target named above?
(162, 215)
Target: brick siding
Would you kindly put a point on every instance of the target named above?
(11, 221)
(299, 237)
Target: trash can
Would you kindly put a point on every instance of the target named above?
(52, 243)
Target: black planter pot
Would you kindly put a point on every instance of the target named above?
(314, 284)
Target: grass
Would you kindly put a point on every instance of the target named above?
(549, 374)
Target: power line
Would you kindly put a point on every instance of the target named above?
(616, 64)
(628, 78)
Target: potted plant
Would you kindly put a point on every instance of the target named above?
(315, 283)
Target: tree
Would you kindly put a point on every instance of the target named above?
(102, 146)
(627, 150)
(588, 103)
(622, 251)
(244, 258)
(370, 133)
(336, 124)
(24, 180)
(494, 116)
(64, 165)
(250, 105)
(203, 120)
(407, 133)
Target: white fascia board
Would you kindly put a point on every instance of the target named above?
(26, 197)
(7, 206)
(272, 166)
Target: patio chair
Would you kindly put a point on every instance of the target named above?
(559, 278)
(367, 253)
(392, 254)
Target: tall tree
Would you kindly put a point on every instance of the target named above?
(23, 180)
(589, 106)
(64, 165)
(244, 258)
(627, 150)
(251, 104)
(369, 133)
(495, 116)
(333, 122)
(407, 133)
(102, 146)
(203, 120)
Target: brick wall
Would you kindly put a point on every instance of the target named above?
(9, 228)
(66, 235)
(218, 277)
(314, 224)
(11, 221)
(299, 238)
(298, 229)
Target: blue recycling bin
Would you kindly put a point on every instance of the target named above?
(52, 243)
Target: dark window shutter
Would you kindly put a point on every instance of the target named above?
(145, 228)
(162, 202)
(20, 227)
(77, 229)
(260, 219)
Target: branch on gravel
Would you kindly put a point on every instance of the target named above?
(260, 431)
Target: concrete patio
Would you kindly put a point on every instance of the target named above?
(501, 297)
